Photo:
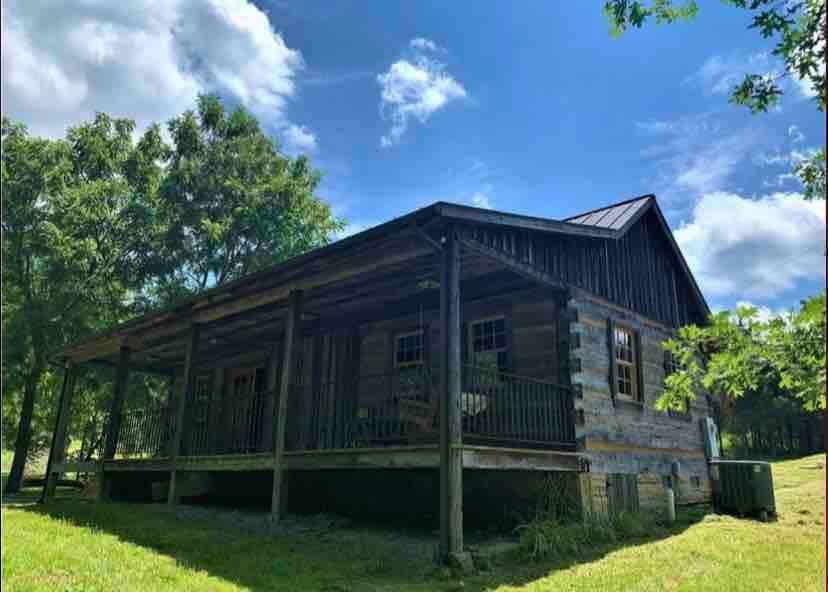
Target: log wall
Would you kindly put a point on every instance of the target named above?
(622, 436)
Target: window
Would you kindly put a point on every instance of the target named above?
(489, 345)
(409, 349)
(626, 378)
(408, 363)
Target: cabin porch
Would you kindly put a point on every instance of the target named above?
(429, 348)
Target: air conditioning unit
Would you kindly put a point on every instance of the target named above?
(743, 488)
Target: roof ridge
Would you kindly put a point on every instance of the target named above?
(610, 206)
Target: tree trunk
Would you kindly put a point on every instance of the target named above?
(24, 430)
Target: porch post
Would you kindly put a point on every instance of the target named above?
(58, 448)
(294, 317)
(180, 408)
(116, 407)
(114, 424)
(451, 429)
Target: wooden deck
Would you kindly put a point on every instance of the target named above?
(396, 457)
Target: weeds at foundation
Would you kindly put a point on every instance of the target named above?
(550, 539)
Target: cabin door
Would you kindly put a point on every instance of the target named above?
(245, 406)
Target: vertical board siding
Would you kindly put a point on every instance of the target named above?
(635, 271)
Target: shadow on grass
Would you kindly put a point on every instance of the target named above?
(355, 557)
(517, 570)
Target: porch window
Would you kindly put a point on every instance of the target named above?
(409, 354)
(626, 384)
(489, 344)
(409, 349)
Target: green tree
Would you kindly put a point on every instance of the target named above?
(739, 354)
(797, 30)
(98, 227)
(230, 203)
(71, 250)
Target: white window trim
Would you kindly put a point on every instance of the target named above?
(397, 337)
(635, 396)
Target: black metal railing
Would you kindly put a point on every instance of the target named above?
(371, 410)
(400, 408)
(145, 432)
(246, 423)
(507, 409)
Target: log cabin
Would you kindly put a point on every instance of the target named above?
(471, 346)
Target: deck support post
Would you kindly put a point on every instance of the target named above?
(115, 410)
(451, 432)
(180, 408)
(294, 316)
(58, 448)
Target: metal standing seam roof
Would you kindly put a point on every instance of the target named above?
(613, 217)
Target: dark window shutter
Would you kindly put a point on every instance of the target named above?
(611, 353)
(639, 367)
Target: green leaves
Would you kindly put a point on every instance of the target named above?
(623, 13)
(738, 355)
(231, 203)
(797, 27)
(98, 227)
(811, 172)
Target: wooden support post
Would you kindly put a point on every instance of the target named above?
(294, 317)
(116, 408)
(58, 448)
(451, 429)
(180, 409)
(168, 434)
(115, 411)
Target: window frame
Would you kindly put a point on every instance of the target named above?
(398, 337)
(635, 395)
(507, 341)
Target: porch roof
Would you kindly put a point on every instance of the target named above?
(393, 258)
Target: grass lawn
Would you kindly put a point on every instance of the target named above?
(8, 456)
(78, 545)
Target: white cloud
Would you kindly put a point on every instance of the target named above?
(795, 134)
(693, 155)
(298, 138)
(415, 88)
(746, 248)
(718, 74)
(422, 44)
(482, 198)
(144, 60)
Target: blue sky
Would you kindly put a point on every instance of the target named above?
(534, 109)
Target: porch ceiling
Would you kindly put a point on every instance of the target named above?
(385, 291)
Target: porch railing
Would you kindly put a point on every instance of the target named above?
(502, 408)
(371, 410)
(497, 408)
(144, 432)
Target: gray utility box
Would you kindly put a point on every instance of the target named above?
(742, 487)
